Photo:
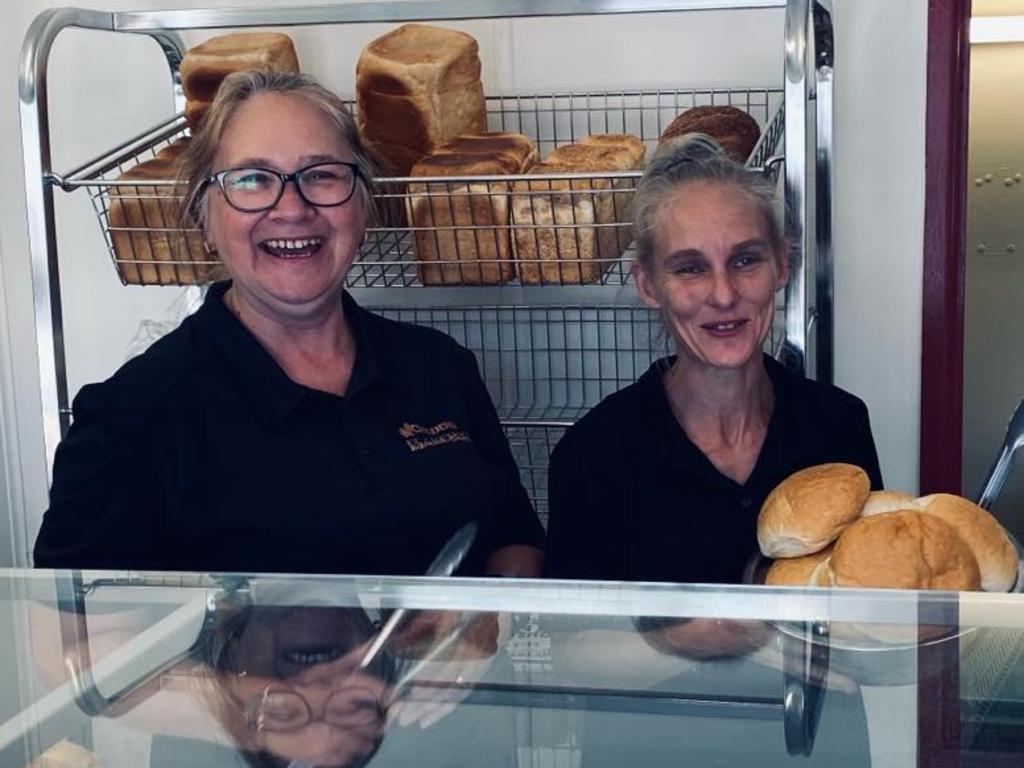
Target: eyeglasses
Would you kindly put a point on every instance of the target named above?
(323, 185)
(279, 710)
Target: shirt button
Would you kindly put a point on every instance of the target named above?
(746, 502)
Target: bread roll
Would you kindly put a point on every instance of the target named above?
(467, 224)
(887, 501)
(995, 553)
(569, 230)
(904, 550)
(417, 88)
(809, 509)
(207, 64)
(807, 571)
(736, 132)
(195, 111)
(149, 245)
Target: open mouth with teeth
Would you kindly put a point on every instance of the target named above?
(296, 248)
(728, 327)
(314, 654)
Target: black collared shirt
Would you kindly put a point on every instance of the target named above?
(632, 498)
(201, 454)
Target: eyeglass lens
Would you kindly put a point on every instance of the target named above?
(254, 189)
(288, 710)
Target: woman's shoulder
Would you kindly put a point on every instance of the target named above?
(812, 395)
(614, 424)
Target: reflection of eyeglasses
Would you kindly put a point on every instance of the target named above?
(285, 710)
(324, 185)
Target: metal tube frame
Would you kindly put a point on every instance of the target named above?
(808, 78)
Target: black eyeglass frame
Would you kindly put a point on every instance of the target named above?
(218, 179)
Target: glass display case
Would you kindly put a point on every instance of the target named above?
(129, 669)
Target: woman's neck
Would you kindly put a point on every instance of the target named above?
(317, 351)
(720, 409)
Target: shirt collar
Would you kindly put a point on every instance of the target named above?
(261, 380)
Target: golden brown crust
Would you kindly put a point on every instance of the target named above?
(807, 571)
(904, 550)
(995, 553)
(207, 64)
(809, 509)
(887, 501)
(735, 131)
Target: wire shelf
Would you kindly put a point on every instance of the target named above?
(564, 229)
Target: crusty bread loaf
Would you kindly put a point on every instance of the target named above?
(735, 131)
(887, 501)
(467, 224)
(807, 571)
(810, 508)
(195, 111)
(569, 230)
(418, 87)
(207, 64)
(995, 553)
(149, 245)
(904, 550)
(66, 754)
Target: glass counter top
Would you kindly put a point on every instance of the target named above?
(131, 669)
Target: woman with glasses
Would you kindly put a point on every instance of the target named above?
(282, 427)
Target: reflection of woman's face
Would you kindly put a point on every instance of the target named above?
(291, 260)
(714, 274)
(299, 684)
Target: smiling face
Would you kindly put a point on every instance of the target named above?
(714, 274)
(289, 262)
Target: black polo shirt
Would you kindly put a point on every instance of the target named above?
(201, 454)
(632, 498)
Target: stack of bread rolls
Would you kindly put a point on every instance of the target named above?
(736, 132)
(465, 225)
(824, 527)
(207, 64)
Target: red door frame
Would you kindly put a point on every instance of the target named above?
(942, 327)
(942, 341)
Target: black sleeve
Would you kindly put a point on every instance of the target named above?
(517, 520)
(859, 444)
(103, 494)
(583, 540)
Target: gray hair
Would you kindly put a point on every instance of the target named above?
(237, 88)
(690, 158)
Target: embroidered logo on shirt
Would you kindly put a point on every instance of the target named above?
(442, 433)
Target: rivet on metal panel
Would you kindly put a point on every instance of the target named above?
(1011, 248)
(982, 248)
(978, 182)
(1008, 181)
(1017, 177)
(988, 177)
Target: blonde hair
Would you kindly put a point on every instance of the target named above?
(197, 161)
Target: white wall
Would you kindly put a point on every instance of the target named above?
(103, 88)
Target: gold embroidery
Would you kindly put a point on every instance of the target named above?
(418, 437)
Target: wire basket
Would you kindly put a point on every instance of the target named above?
(537, 229)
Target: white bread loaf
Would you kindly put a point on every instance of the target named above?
(807, 571)
(809, 509)
(903, 550)
(569, 230)
(144, 222)
(466, 223)
(207, 64)
(887, 501)
(417, 88)
(995, 553)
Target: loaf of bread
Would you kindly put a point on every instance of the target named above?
(207, 64)
(807, 571)
(65, 754)
(887, 501)
(988, 542)
(809, 509)
(903, 550)
(460, 229)
(736, 132)
(149, 244)
(569, 230)
(417, 88)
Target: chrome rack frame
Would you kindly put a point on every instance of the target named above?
(808, 103)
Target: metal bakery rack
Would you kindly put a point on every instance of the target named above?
(554, 332)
